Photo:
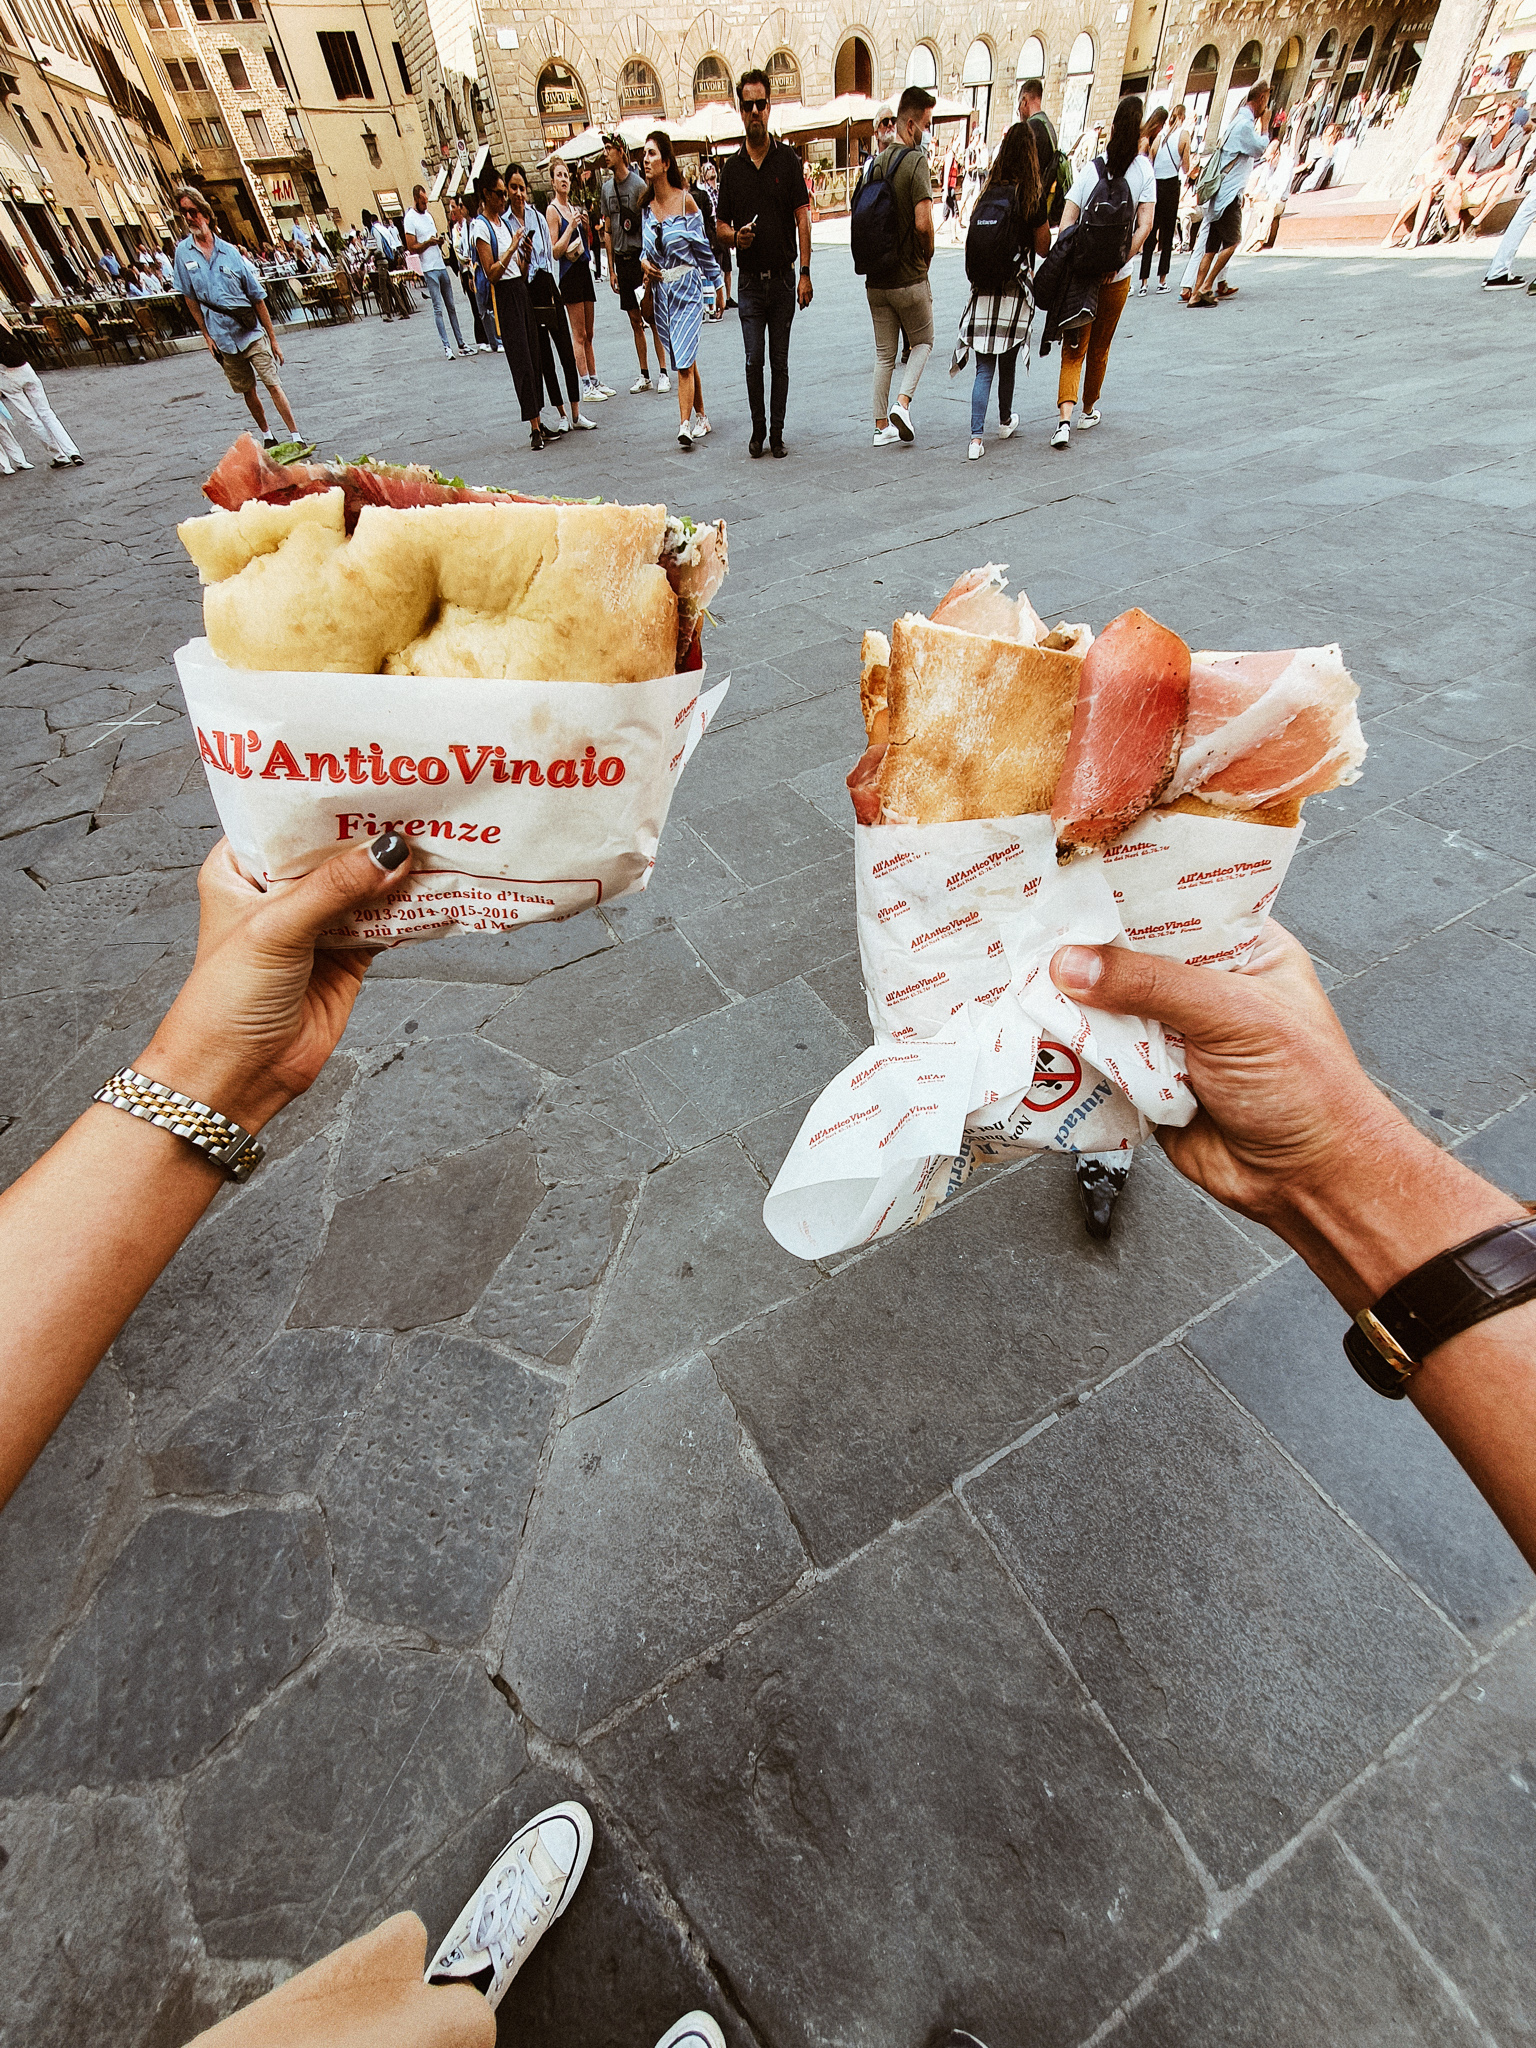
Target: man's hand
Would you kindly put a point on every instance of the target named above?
(277, 353)
(213, 347)
(746, 236)
(1283, 1101)
(805, 293)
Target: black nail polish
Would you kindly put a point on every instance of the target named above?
(390, 850)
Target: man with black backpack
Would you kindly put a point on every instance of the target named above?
(892, 236)
(1055, 164)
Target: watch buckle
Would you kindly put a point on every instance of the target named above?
(1378, 1357)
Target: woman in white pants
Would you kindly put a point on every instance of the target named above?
(25, 400)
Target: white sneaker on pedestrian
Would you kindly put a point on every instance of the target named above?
(606, 389)
(685, 437)
(1162, 284)
(447, 351)
(901, 420)
(978, 448)
(485, 348)
(641, 383)
(693, 2030)
(1063, 435)
(661, 382)
(520, 1897)
(885, 436)
(1089, 419)
(1141, 289)
(593, 393)
(584, 425)
(700, 426)
(466, 349)
(562, 425)
(21, 461)
(1008, 428)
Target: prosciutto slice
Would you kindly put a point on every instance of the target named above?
(1127, 729)
(864, 784)
(979, 603)
(247, 472)
(1264, 728)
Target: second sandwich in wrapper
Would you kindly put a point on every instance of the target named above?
(1024, 790)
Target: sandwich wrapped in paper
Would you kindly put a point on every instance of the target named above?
(1025, 789)
(513, 683)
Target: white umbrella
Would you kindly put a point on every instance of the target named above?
(580, 148)
(717, 121)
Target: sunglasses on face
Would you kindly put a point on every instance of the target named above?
(754, 106)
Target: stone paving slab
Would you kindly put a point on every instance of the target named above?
(989, 1629)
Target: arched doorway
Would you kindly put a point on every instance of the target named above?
(639, 92)
(1199, 85)
(1283, 76)
(854, 70)
(976, 84)
(1074, 106)
(562, 104)
(1354, 71)
(711, 82)
(1031, 62)
(923, 67)
(1245, 72)
(783, 69)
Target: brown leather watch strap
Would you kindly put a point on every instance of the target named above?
(1496, 1270)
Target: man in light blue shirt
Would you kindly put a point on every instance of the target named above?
(229, 303)
(1239, 150)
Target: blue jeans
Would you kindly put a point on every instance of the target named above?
(1509, 248)
(439, 284)
(981, 390)
(767, 306)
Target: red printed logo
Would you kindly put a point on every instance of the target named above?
(1058, 1076)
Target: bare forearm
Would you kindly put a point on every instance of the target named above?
(803, 224)
(83, 1236)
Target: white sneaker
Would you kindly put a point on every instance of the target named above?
(693, 2030)
(466, 349)
(1063, 435)
(606, 389)
(1141, 290)
(1008, 428)
(1089, 419)
(700, 426)
(585, 425)
(485, 348)
(592, 393)
(447, 351)
(661, 382)
(1162, 284)
(562, 425)
(641, 383)
(978, 448)
(901, 420)
(523, 1893)
(884, 436)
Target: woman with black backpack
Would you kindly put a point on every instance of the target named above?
(1000, 248)
(1111, 207)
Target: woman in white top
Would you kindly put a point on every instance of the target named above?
(1122, 158)
(504, 254)
(1170, 167)
(549, 315)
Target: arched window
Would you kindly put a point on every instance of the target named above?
(711, 81)
(1031, 62)
(562, 104)
(1284, 74)
(976, 82)
(1074, 106)
(923, 67)
(639, 90)
(1245, 71)
(1359, 57)
(1325, 50)
(854, 70)
(783, 69)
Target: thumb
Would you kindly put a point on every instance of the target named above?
(299, 914)
(1190, 1000)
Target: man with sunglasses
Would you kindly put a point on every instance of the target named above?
(764, 209)
(227, 299)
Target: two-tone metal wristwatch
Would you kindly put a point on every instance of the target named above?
(228, 1144)
(1496, 1270)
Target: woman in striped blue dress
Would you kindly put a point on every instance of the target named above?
(676, 258)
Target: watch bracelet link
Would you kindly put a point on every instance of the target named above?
(1496, 1270)
(228, 1144)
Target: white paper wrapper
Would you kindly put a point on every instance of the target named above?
(978, 1056)
(523, 801)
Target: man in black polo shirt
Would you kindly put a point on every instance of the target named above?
(764, 208)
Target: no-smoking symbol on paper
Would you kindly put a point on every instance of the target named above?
(1058, 1076)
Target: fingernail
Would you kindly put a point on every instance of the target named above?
(390, 850)
(1077, 967)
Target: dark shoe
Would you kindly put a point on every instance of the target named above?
(755, 446)
(1099, 1187)
(537, 438)
(78, 461)
(776, 446)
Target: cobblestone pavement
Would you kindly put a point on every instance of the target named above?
(991, 1628)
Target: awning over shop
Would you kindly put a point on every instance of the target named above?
(17, 176)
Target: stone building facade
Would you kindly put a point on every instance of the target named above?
(523, 78)
(87, 156)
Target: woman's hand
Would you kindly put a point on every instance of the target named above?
(265, 1003)
(649, 271)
